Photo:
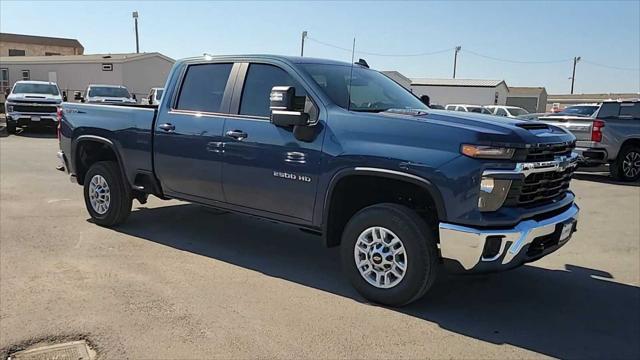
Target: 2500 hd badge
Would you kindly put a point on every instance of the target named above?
(290, 176)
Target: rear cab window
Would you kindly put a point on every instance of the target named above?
(619, 110)
(203, 87)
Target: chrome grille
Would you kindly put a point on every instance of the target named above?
(35, 109)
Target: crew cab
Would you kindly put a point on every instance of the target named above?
(610, 136)
(108, 94)
(339, 150)
(32, 103)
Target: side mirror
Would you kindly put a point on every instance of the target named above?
(287, 109)
(64, 96)
(78, 96)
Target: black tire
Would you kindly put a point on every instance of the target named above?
(11, 127)
(618, 167)
(119, 206)
(420, 246)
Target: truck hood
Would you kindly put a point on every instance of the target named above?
(490, 129)
(35, 98)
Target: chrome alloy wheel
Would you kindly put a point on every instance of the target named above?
(631, 164)
(380, 257)
(99, 194)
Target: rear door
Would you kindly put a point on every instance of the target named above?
(188, 144)
(265, 167)
(622, 121)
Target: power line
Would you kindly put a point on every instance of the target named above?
(610, 66)
(517, 61)
(380, 54)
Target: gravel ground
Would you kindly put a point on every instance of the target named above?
(181, 281)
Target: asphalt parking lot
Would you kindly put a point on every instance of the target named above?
(181, 281)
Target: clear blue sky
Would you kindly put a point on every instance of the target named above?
(601, 32)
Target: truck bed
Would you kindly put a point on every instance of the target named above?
(128, 127)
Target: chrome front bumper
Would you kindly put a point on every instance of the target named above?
(466, 247)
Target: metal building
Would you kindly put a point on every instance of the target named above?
(532, 99)
(462, 91)
(138, 72)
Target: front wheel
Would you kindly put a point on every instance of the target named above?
(389, 254)
(106, 195)
(627, 164)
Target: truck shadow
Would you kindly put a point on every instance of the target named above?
(572, 313)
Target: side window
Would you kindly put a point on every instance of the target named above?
(257, 87)
(609, 110)
(449, 107)
(461, 108)
(630, 110)
(501, 112)
(203, 87)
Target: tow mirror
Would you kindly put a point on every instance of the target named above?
(77, 95)
(64, 96)
(287, 109)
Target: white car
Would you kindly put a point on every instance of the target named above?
(468, 108)
(508, 111)
(108, 94)
(155, 94)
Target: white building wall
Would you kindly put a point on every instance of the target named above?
(70, 76)
(141, 75)
(443, 95)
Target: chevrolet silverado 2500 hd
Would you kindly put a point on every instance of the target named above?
(340, 150)
(32, 103)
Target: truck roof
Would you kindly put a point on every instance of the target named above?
(105, 85)
(289, 59)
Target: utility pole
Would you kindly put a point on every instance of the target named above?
(135, 19)
(455, 60)
(304, 36)
(573, 76)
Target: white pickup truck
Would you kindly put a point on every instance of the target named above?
(32, 103)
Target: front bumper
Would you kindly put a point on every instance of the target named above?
(27, 119)
(467, 249)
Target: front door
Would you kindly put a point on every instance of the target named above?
(189, 134)
(265, 167)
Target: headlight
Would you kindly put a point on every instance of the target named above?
(493, 193)
(486, 152)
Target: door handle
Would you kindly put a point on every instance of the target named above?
(168, 127)
(237, 134)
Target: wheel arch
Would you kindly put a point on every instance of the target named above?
(81, 163)
(332, 232)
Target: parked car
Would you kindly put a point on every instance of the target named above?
(436, 106)
(468, 108)
(404, 190)
(155, 94)
(579, 110)
(32, 103)
(508, 111)
(611, 136)
(108, 94)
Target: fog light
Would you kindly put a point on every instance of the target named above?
(493, 193)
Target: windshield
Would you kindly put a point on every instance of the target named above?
(583, 110)
(159, 94)
(371, 91)
(517, 111)
(109, 92)
(35, 89)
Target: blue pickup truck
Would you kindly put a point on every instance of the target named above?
(339, 150)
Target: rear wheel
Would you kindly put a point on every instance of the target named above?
(627, 164)
(389, 254)
(107, 197)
